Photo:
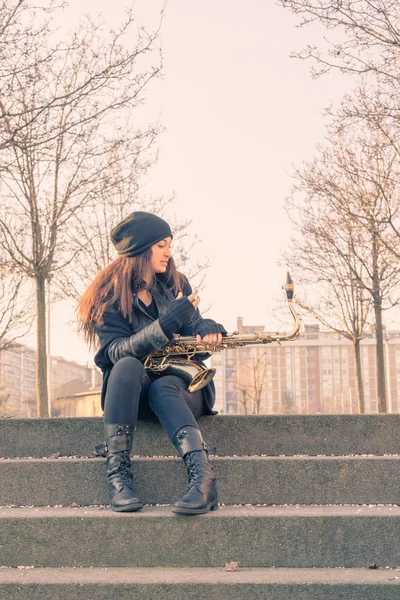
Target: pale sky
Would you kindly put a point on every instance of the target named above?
(238, 114)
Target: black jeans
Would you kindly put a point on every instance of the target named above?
(134, 394)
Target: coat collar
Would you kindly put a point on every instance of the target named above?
(162, 294)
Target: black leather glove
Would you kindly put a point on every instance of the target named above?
(179, 313)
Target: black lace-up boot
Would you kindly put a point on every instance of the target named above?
(201, 496)
(120, 479)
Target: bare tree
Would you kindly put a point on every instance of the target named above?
(244, 399)
(336, 298)
(252, 378)
(16, 309)
(344, 213)
(89, 241)
(70, 118)
(4, 396)
(363, 41)
(288, 402)
(22, 23)
(368, 40)
(386, 132)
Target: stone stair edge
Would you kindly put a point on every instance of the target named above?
(219, 417)
(245, 458)
(228, 511)
(244, 583)
(25, 574)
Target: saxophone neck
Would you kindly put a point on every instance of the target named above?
(236, 339)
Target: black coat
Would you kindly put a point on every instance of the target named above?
(147, 335)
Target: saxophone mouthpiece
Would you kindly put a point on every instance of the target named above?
(289, 287)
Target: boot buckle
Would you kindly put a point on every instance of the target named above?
(101, 449)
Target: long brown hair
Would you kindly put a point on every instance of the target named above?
(113, 287)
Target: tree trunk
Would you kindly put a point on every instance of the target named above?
(380, 357)
(377, 300)
(244, 396)
(359, 377)
(41, 353)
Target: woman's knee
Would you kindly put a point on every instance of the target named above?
(165, 386)
(128, 368)
(167, 382)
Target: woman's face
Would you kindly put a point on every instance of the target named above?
(160, 255)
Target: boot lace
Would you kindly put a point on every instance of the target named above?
(193, 464)
(124, 468)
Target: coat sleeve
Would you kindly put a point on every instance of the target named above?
(198, 325)
(117, 340)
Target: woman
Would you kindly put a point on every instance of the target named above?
(133, 307)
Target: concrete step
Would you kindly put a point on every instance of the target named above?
(198, 584)
(292, 536)
(241, 480)
(272, 435)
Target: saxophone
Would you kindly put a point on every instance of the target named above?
(176, 357)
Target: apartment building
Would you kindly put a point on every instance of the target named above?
(313, 375)
(18, 380)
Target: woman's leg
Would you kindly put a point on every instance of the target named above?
(174, 406)
(176, 409)
(127, 383)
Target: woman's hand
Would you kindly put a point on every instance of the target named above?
(194, 298)
(210, 338)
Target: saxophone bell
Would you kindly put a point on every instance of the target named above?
(194, 374)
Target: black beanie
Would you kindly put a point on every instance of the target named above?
(138, 232)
